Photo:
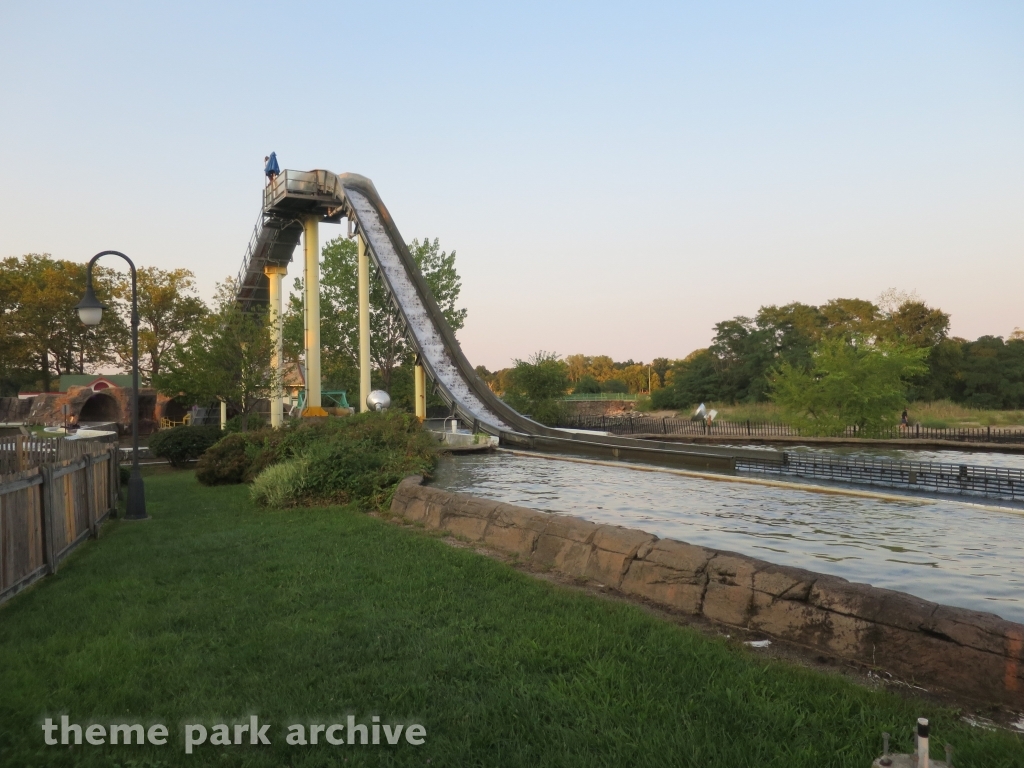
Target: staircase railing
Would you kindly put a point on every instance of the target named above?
(249, 251)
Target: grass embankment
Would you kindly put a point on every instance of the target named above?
(216, 610)
(941, 414)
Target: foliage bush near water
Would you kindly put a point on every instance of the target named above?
(358, 458)
(180, 445)
(847, 384)
(535, 387)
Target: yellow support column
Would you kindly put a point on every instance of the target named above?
(364, 324)
(311, 238)
(420, 377)
(275, 274)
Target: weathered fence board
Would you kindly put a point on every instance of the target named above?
(47, 510)
(20, 452)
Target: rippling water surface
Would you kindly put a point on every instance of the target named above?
(947, 552)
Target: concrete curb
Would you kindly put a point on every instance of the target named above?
(969, 653)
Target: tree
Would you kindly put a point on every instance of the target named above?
(169, 311)
(944, 379)
(15, 360)
(579, 366)
(535, 386)
(919, 325)
(693, 380)
(227, 358)
(586, 385)
(614, 386)
(992, 373)
(41, 327)
(660, 366)
(602, 367)
(851, 318)
(339, 311)
(848, 384)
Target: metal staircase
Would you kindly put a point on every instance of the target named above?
(273, 242)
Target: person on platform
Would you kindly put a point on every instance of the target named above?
(272, 169)
(904, 419)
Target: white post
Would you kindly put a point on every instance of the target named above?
(364, 324)
(223, 415)
(922, 742)
(275, 274)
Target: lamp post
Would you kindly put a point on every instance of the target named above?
(91, 311)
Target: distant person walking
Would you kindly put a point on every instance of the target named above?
(904, 420)
(272, 169)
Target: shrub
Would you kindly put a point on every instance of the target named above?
(615, 386)
(587, 385)
(281, 484)
(254, 423)
(225, 462)
(180, 445)
(644, 404)
(125, 474)
(356, 459)
(665, 399)
(535, 387)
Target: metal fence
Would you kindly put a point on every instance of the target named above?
(647, 425)
(998, 482)
(600, 396)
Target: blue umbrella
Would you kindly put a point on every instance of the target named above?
(272, 167)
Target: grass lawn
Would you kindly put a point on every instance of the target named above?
(216, 610)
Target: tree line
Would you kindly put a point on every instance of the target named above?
(592, 374)
(42, 337)
(747, 353)
(846, 362)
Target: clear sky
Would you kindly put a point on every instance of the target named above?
(615, 178)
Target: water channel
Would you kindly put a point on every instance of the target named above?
(946, 551)
(940, 456)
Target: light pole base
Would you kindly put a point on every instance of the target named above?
(136, 507)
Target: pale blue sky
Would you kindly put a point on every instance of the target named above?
(615, 177)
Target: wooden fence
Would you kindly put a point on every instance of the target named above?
(49, 509)
(19, 452)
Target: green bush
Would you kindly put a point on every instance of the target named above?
(615, 386)
(280, 484)
(125, 474)
(536, 386)
(644, 404)
(254, 423)
(355, 459)
(181, 445)
(225, 462)
(587, 385)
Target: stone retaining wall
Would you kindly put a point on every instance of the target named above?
(974, 654)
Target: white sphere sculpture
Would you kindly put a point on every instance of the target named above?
(378, 400)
